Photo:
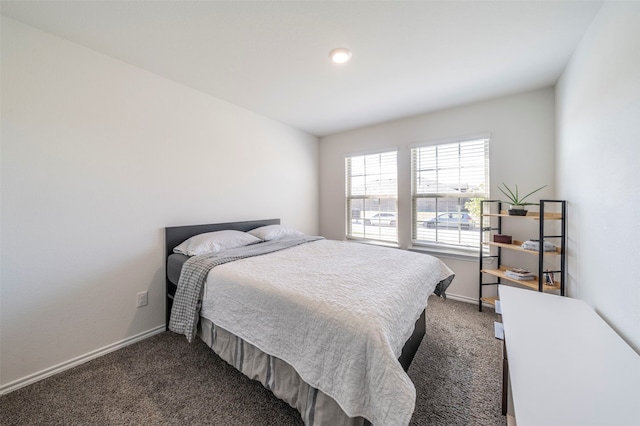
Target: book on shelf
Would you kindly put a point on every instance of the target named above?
(519, 274)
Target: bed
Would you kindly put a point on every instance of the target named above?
(333, 343)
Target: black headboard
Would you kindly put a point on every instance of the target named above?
(177, 234)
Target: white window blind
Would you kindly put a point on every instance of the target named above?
(448, 180)
(372, 196)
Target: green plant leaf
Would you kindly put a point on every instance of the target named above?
(514, 198)
(511, 196)
(532, 192)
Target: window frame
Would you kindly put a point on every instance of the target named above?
(436, 245)
(391, 197)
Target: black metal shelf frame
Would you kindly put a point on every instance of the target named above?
(542, 236)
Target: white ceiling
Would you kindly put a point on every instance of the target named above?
(271, 57)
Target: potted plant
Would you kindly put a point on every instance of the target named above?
(517, 203)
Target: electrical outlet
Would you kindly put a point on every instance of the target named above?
(142, 299)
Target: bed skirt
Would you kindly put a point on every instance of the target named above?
(315, 407)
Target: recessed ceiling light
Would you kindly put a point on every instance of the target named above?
(340, 55)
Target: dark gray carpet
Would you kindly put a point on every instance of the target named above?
(165, 381)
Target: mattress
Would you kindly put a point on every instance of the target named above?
(174, 266)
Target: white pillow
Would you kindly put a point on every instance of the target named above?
(273, 232)
(213, 242)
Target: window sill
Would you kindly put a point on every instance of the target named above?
(373, 242)
(469, 255)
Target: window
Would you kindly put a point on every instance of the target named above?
(448, 182)
(372, 196)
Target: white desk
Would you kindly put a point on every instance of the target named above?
(566, 365)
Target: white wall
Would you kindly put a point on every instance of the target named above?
(598, 152)
(521, 151)
(97, 158)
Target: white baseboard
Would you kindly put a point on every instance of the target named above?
(467, 299)
(48, 372)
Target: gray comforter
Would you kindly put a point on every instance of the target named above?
(188, 298)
